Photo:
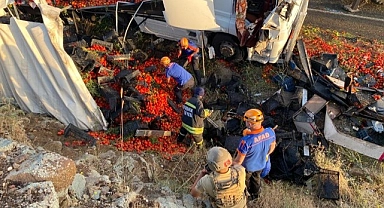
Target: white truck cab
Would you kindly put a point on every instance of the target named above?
(237, 29)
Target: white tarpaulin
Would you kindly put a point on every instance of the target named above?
(191, 14)
(36, 71)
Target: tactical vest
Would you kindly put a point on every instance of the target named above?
(227, 191)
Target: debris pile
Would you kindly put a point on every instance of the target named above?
(311, 88)
(129, 86)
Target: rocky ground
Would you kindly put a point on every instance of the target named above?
(102, 176)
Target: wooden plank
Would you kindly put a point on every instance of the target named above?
(152, 133)
(106, 44)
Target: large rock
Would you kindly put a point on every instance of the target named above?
(46, 166)
(78, 186)
(7, 145)
(37, 195)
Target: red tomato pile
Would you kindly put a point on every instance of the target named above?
(163, 145)
(358, 56)
(154, 87)
(354, 54)
(86, 3)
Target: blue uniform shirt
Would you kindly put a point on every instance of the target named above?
(189, 50)
(178, 73)
(255, 147)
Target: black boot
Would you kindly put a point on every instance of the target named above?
(180, 138)
(182, 134)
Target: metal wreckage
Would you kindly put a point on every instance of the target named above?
(317, 103)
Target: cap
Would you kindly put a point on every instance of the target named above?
(199, 91)
(218, 158)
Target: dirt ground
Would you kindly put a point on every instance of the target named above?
(42, 131)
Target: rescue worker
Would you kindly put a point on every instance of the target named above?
(193, 118)
(254, 149)
(183, 78)
(223, 183)
(188, 50)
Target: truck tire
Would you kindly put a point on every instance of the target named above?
(226, 47)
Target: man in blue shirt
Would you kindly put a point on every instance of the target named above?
(254, 149)
(183, 78)
(188, 50)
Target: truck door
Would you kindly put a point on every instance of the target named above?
(161, 29)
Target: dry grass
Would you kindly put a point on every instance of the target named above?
(258, 84)
(283, 194)
(11, 122)
(361, 177)
(365, 190)
(181, 171)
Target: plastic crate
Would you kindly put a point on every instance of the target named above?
(108, 45)
(328, 186)
(72, 130)
(286, 82)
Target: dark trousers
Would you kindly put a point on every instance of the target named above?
(178, 89)
(195, 66)
(253, 182)
(198, 138)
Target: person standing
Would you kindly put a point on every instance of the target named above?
(183, 78)
(188, 50)
(193, 118)
(254, 149)
(222, 182)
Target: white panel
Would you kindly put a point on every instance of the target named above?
(363, 147)
(191, 14)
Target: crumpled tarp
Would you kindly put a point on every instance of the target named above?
(40, 76)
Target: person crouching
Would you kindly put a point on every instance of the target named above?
(183, 78)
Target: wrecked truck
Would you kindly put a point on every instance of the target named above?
(262, 31)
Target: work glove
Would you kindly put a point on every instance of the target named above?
(189, 58)
(207, 112)
(246, 132)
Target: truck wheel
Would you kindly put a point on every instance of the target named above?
(227, 48)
